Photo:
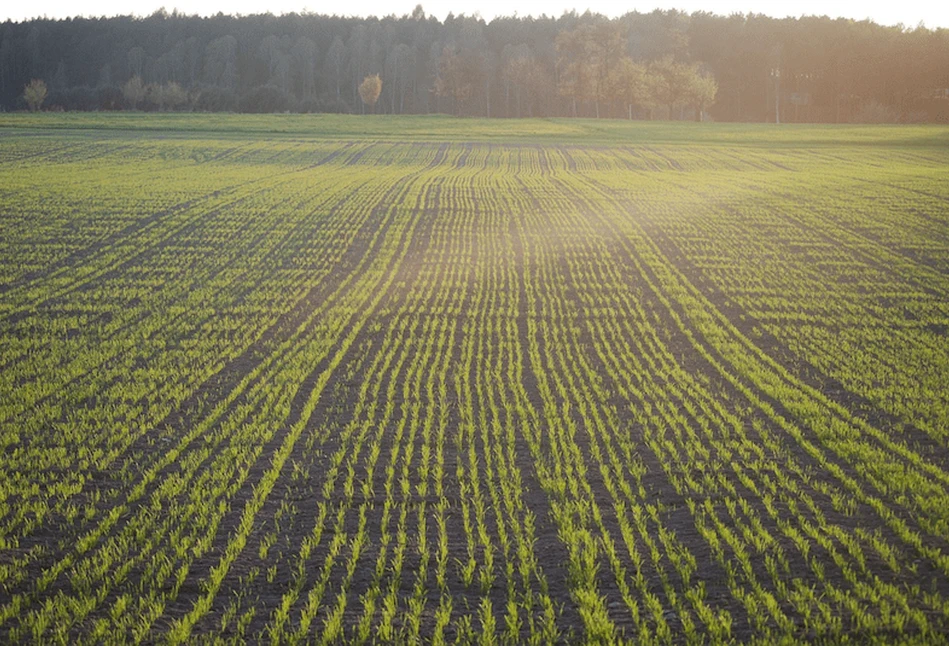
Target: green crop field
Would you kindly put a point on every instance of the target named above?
(395, 380)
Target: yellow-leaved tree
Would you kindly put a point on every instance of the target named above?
(370, 89)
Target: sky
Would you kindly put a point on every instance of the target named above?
(932, 13)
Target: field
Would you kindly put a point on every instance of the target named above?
(328, 379)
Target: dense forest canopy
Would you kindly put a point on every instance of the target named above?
(664, 64)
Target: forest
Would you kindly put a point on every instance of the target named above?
(658, 65)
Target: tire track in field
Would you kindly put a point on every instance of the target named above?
(768, 380)
(863, 251)
(322, 447)
(890, 263)
(220, 382)
(879, 249)
(668, 391)
(537, 492)
(25, 280)
(134, 237)
(596, 444)
(872, 251)
(130, 317)
(494, 478)
(907, 189)
(642, 224)
(236, 542)
(329, 363)
(135, 249)
(362, 249)
(312, 318)
(331, 445)
(151, 251)
(150, 479)
(898, 582)
(307, 312)
(139, 315)
(117, 332)
(43, 153)
(856, 405)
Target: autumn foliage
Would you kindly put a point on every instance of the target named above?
(370, 89)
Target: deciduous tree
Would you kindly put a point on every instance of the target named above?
(35, 94)
(628, 85)
(370, 89)
(702, 92)
(455, 77)
(527, 77)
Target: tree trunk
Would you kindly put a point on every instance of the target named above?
(777, 100)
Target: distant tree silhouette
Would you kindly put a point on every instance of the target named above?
(803, 69)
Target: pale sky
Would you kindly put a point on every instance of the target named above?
(933, 13)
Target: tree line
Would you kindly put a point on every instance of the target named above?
(658, 65)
